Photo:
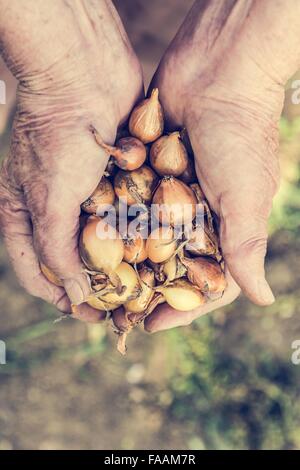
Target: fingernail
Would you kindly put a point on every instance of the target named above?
(265, 293)
(77, 288)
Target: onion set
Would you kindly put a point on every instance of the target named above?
(168, 155)
(158, 250)
(146, 121)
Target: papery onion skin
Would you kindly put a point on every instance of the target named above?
(136, 186)
(173, 269)
(146, 120)
(206, 274)
(147, 282)
(182, 295)
(101, 254)
(50, 275)
(202, 242)
(103, 195)
(128, 279)
(168, 155)
(175, 203)
(161, 244)
(135, 249)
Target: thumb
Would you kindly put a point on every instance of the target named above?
(243, 234)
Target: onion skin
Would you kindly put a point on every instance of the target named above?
(135, 249)
(147, 121)
(202, 242)
(196, 188)
(173, 269)
(206, 274)
(101, 254)
(51, 276)
(103, 195)
(136, 186)
(189, 176)
(130, 153)
(175, 202)
(161, 244)
(147, 282)
(182, 295)
(99, 304)
(168, 155)
(128, 279)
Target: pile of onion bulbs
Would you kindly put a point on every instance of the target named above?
(162, 243)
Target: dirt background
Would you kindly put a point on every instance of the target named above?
(225, 382)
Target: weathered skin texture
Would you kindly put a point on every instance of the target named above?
(76, 68)
(223, 79)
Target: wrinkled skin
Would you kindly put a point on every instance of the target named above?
(54, 163)
(223, 79)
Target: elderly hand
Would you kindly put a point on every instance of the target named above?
(222, 78)
(75, 68)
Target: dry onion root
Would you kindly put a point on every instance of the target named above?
(146, 121)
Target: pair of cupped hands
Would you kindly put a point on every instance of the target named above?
(217, 79)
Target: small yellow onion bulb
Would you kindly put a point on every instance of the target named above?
(173, 269)
(174, 202)
(101, 247)
(168, 155)
(129, 153)
(103, 195)
(50, 275)
(146, 121)
(147, 282)
(206, 274)
(182, 295)
(202, 242)
(99, 304)
(161, 244)
(134, 249)
(129, 282)
(137, 186)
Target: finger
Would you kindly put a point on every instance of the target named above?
(238, 170)
(244, 243)
(164, 317)
(17, 233)
(55, 208)
(87, 314)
